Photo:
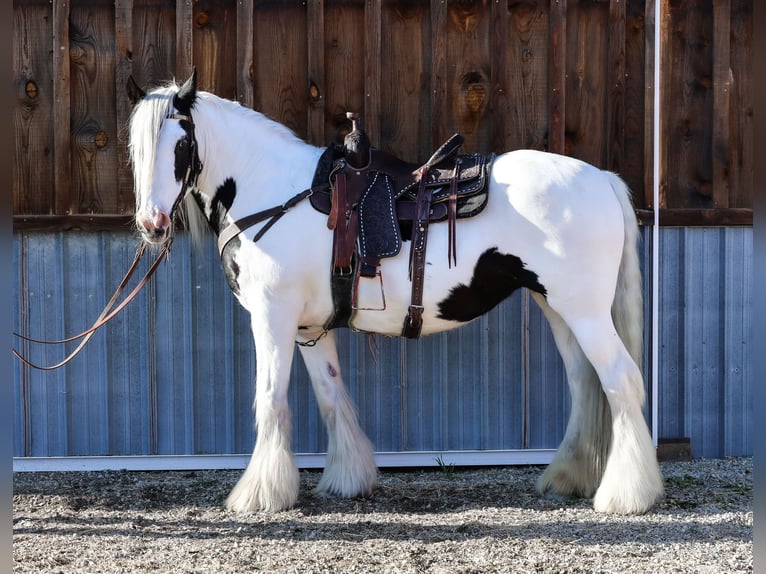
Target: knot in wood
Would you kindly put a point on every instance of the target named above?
(31, 89)
(475, 97)
(101, 139)
(202, 19)
(314, 92)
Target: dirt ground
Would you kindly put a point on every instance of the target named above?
(435, 520)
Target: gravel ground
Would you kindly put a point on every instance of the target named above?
(436, 520)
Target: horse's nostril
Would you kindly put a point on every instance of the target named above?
(146, 225)
(155, 226)
(162, 221)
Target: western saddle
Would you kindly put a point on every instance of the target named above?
(374, 200)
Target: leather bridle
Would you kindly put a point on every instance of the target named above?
(193, 165)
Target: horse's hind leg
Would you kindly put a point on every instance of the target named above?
(350, 468)
(631, 482)
(578, 465)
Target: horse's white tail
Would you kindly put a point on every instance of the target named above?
(581, 459)
(631, 482)
(627, 307)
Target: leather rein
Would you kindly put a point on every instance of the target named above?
(109, 312)
(193, 169)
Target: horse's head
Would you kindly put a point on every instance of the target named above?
(164, 154)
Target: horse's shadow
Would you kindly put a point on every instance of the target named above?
(590, 532)
(190, 505)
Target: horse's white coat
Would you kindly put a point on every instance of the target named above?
(569, 222)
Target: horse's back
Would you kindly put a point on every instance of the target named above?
(558, 211)
(561, 198)
(549, 176)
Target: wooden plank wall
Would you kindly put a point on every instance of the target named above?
(570, 76)
(707, 164)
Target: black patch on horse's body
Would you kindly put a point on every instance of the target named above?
(219, 209)
(230, 267)
(495, 277)
(221, 204)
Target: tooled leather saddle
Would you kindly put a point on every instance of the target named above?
(374, 201)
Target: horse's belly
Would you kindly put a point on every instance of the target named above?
(452, 294)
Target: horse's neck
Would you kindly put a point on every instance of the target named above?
(266, 163)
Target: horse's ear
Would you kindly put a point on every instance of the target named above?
(187, 94)
(135, 93)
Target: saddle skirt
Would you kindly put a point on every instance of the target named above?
(385, 202)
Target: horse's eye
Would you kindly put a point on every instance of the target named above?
(182, 159)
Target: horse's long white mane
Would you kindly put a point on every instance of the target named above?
(145, 122)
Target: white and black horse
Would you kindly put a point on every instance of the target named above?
(560, 227)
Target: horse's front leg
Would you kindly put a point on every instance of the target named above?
(271, 479)
(350, 468)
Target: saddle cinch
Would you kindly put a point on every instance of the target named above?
(374, 200)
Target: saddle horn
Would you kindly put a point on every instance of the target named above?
(356, 144)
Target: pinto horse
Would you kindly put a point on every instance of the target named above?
(555, 225)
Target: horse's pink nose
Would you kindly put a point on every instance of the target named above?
(155, 226)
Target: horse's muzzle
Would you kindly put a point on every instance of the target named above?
(154, 229)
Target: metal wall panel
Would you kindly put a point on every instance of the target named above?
(705, 310)
(174, 373)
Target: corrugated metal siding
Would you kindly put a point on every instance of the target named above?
(706, 310)
(174, 373)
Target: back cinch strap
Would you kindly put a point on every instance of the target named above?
(413, 322)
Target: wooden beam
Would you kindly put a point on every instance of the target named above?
(706, 217)
(123, 28)
(62, 151)
(316, 76)
(372, 57)
(668, 218)
(649, 35)
(650, 103)
(499, 79)
(615, 136)
(439, 115)
(184, 39)
(665, 101)
(73, 222)
(557, 101)
(698, 217)
(245, 91)
(722, 82)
